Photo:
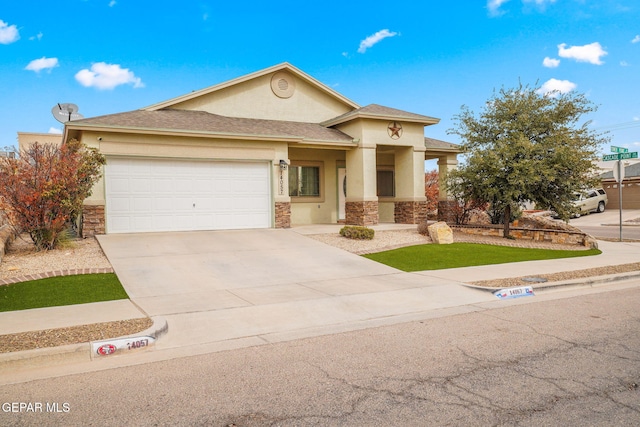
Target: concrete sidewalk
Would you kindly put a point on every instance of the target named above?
(247, 296)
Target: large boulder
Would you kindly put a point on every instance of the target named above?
(440, 233)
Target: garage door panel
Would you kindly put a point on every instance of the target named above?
(174, 195)
(142, 205)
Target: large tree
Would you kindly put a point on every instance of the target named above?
(526, 146)
(42, 190)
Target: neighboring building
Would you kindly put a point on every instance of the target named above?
(270, 149)
(26, 139)
(630, 188)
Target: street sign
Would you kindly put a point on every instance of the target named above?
(620, 156)
(624, 156)
(615, 149)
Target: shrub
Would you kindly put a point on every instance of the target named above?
(357, 232)
(42, 191)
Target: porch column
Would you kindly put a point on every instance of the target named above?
(445, 203)
(410, 201)
(361, 203)
(281, 199)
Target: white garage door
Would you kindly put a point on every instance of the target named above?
(177, 195)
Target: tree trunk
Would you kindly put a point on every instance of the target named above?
(506, 219)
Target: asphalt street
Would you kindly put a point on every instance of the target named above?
(606, 225)
(564, 357)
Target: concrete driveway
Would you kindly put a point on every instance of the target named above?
(218, 287)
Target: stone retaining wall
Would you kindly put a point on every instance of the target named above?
(534, 234)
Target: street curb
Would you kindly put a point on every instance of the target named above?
(584, 281)
(71, 353)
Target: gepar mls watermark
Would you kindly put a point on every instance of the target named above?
(44, 407)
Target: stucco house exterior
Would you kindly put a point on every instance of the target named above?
(274, 148)
(27, 139)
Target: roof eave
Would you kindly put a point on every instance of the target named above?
(427, 121)
(205, 134)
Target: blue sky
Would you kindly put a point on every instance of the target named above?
(428, 57)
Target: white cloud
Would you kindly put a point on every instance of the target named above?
(37, 37)
(550, 62)
(107, 76)
(112, 3)
(554, 87)
(8, 33)
(636, 39)
(43, 63)
(375, 38)
(55, 130)
(494, 7)
(590, 53)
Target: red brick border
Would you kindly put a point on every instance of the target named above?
(57, 273)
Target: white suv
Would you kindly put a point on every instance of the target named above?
(591, 201)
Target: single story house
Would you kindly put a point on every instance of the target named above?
(630, 188)
(274, 148)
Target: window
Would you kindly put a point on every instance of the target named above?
(385, 183)
(304, 181)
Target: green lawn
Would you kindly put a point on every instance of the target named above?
(57, 291)
(437, 257)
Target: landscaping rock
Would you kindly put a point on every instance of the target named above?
(440, 233)
(6, 237)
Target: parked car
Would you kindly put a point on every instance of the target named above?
(593, 200)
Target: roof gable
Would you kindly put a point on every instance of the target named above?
(281, 92)
(380, 112)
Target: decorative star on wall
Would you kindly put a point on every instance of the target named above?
(395, 130)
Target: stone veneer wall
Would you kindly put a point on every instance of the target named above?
(537, 235)
(410, 212)
(92, 220)
(283, 215)
(361, 213)
(446, 211)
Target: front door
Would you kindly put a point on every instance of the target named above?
(342, 193)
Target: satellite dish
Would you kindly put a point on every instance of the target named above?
(66, 112)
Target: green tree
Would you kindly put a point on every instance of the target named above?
(526, 146)
(42, 190)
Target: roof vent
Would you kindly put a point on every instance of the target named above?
(283, 85)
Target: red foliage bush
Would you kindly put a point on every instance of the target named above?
(43, 189)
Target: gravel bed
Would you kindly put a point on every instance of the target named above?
(557, 277)
(74, 335)
(22, 259)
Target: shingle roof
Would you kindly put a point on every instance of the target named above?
(200, 121)
(382, 112)
(437, 144)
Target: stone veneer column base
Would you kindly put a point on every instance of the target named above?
(283, 215)
(361, 213)
(92, 220)
(446, 211)
(410, 212)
